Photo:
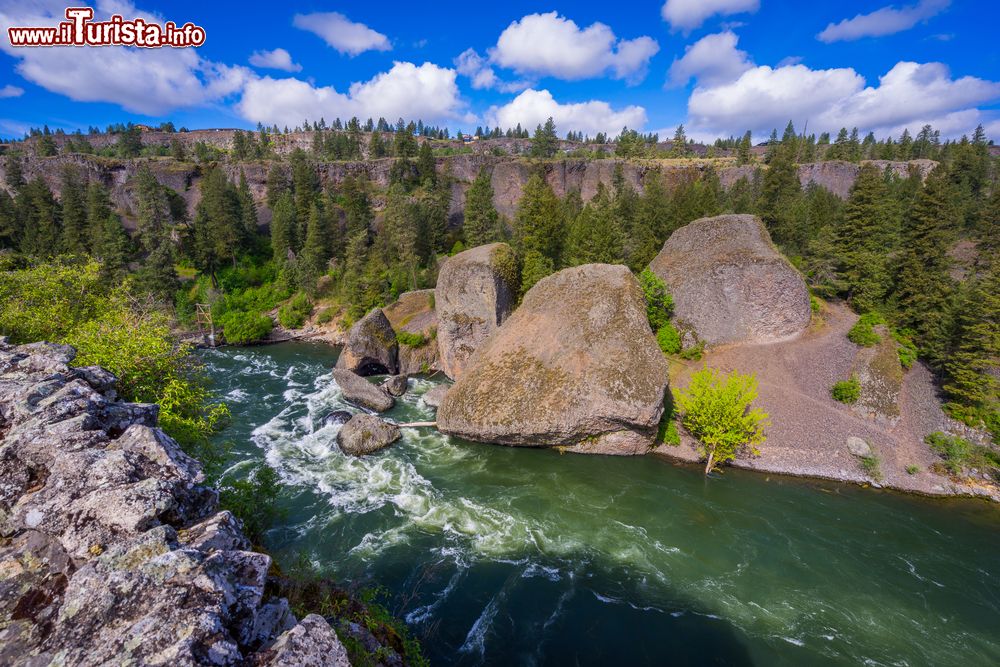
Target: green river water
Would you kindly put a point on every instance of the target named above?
(497, 555)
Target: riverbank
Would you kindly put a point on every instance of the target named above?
(809, 430)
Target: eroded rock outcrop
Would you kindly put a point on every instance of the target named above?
(370, 347)
(112, 551)
(474, 295)
(413, 313)
(575, 366)
(730, 284)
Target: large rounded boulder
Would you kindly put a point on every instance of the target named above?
(475, 293)
(575, 366)
(366, 434)
(371, 347)
(730, 284)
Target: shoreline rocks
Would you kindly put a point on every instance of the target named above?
(575, 366)
(370, 347)
(475, 293)
(361, 392)
(112, 549)
(366, 434)
(730, 284)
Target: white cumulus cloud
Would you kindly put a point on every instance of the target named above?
(276, 59)
(426, 92)
(713, 59)
(341, 33)
(11, 91)
(482, 76)
(533, 107)
(884, 21)
(686, 15)
(147, 81)
(552, 45)
(909, 95)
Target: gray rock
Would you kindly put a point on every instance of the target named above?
(336, 418)
(396, 385)
(366, 434)
(311, 643)
(434, 397)
(371, 347)
(361, 392)
(730, 284)
(858, 447)
(474, 295)
(575, 366)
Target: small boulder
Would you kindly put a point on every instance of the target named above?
(311, 643)
(371, 347)
(858, 447)
(396, 385)
(361, 392)
(336, 418)
(365, 434)
(575, 366)
(474, 295)
(434, 397)
(730, 284)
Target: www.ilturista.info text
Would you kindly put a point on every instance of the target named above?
(81, 30)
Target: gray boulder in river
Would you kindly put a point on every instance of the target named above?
(434, 397)
(361, 392)
(730, 284)
(576, 365)
(474, 295)
(371, 347)
(366, 434)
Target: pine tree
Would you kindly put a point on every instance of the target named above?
(157, 275)
(315, 250)
(14, 172)
(924, 288)
(248, 212)
(38, 214)
(277, 184)
(594, 236)
(535, 266)
(426, 164)
(864, 241)
(538, 224)
(969, 367)
(545, 142)
(482, 222)
(73, 238)
(780, 192)
(112, 249)
(743, 149)
(217, 229)
(98, 211)
(283, 227)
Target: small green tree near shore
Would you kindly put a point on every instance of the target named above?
(716, 409)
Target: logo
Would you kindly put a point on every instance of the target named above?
(79, 29)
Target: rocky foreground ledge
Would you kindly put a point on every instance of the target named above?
(111, 548)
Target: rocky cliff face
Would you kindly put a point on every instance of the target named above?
(111, 549)
(574, 366)
(730, 284)
(509, 174)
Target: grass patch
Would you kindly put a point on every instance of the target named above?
(846, 391)
(693, 353)
(411, 339)
(872, 465)
(912, 469)
(293, 314)
(959, 455)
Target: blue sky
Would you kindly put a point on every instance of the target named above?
(718, 66)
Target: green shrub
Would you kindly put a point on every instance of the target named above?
(907, 350)
(872, 465)
(960, 454)
(815, 305)
(241, 328)
(716, 409)
(668, 339)
(667, 431)
(293, 314)
(659, 303)
(456, 248)
(863, 331)
(693, 353)
(912, 469)
(253, 500)
(411, 339)
(847, 391)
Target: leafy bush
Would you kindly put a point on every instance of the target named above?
(667, 430)
(659, 303)
(907, 350)
(912, 469)
(715, 408)
(253, 500)
(863, 331)
(960, 454)
(872, 465)
(847, 391)
(411, 339)
(241, 328)
(456, 248)
(325, 317)
(668, 339)
(293, 314)
(815, 305)
(693, 353)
